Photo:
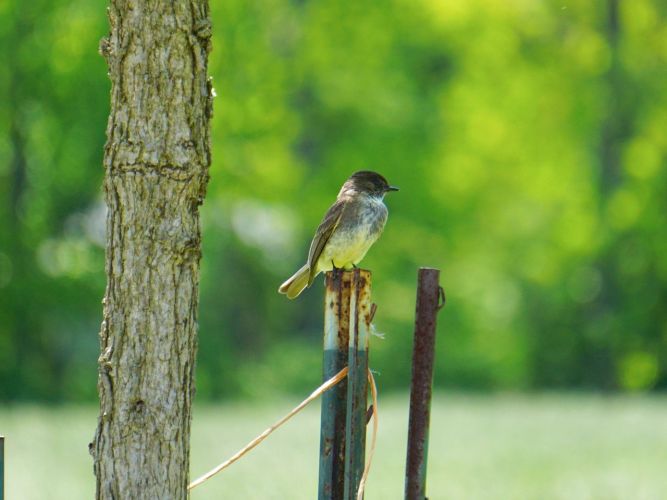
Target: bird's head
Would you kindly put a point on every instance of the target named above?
(368, 182)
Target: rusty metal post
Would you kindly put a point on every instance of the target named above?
(334, 401)
(2, 467)
(347, 319)
(430, 299)
(357, 381)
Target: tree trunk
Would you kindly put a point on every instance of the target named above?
(156, 162)
(600, 353)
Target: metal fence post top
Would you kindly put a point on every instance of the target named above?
(345, 275)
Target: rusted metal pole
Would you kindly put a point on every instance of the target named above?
(334, 401)
(430, 299)
(357, 381)
(347, 319)
(2, 467)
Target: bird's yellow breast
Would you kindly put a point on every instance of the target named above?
(350, 241)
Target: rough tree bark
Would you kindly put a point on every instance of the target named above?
(156, 161)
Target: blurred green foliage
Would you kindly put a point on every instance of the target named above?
(528, 139)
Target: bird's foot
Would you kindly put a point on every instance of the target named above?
(335, 270)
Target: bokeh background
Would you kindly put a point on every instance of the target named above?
(528, 139)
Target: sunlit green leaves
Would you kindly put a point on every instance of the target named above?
(528, 139)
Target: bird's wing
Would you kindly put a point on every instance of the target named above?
(322, 235)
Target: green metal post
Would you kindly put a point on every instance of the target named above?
(334, 401)
(357, 381)
(2, 467)
(347, 320)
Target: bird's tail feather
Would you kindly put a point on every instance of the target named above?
(295, 285)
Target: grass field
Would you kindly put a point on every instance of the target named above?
(542, 447)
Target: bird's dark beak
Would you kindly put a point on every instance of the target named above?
(392, 188)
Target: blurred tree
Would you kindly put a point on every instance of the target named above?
(598, 354)
(527, 137)
(47, 192)
(156, 159)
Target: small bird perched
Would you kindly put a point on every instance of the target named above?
(349, 228)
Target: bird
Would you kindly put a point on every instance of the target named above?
(351, 225)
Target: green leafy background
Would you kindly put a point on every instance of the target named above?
(527, 137)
